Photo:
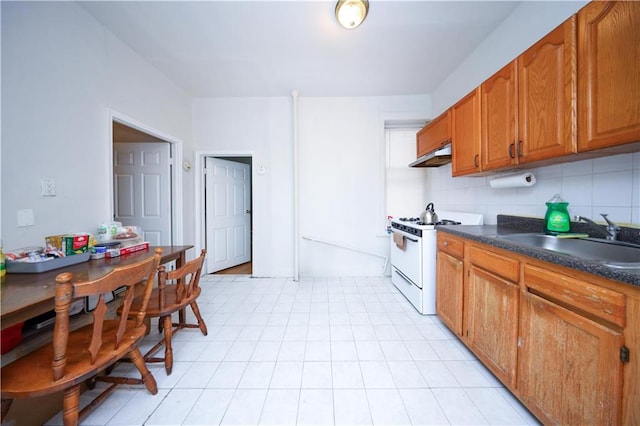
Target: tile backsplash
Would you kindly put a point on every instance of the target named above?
(604, 185)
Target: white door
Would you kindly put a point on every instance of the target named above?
(227, 213)
(142, 188)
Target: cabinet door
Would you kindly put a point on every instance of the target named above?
(465, 134)
(492, 322)
(569, 367)
(498, 123)
(434, 135)
(449, 278)
(608, 70)
(547, 96)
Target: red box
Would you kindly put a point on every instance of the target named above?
(134, 248)
(10, 337)
(127, 250)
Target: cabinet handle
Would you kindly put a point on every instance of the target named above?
(446, 243)
(476, 161)
(519, 149)
(512, 148)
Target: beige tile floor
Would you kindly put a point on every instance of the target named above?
(347, 351)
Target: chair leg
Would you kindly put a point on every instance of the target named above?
(196, 312)
(71, 406)
(6, 404)
(147, 378)
(168, 348)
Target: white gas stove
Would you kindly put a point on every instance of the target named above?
(413, 256)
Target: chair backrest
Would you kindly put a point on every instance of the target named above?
(185, 280)
(67, 289)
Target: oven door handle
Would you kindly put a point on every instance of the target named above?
(406, 237)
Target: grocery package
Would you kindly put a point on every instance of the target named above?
(3, 267)
(107, 231)
(114, 231)
(68, 244)
(114, 239)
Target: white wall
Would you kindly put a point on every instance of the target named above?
(262, 128)
(341, 189)
(342, 181)
(61, 73)
(606, 185)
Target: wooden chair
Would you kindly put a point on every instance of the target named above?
(75, 356)
(176, 290)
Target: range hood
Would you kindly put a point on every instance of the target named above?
(435, 158)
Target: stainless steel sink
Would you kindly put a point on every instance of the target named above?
(614, 254)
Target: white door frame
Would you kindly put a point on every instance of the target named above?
(176, 171)
(198, 168)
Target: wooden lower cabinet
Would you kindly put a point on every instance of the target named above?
(449, 282)
(491, 310)
(565, 342)
(569, 371)
(449, 271)
(491, 307)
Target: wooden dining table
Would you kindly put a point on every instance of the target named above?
(25, 296)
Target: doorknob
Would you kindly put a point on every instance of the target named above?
(248, 212)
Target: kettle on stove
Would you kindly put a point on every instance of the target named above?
(429, 215)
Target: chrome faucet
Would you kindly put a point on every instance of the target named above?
(611, 229)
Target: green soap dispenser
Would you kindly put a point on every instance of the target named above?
(557, 219)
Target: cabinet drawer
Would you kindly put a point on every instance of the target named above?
(584, 296)
(500, 265)
(450, 245)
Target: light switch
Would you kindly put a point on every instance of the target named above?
(25, 218)
(48, 188)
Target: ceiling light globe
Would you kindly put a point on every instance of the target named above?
(351, 13)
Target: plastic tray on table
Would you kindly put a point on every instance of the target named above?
(48, 265)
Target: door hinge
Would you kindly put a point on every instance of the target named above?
(624, 354)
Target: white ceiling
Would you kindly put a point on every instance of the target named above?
(270, 48)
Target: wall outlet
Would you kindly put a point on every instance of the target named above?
(25, 218)
(48, 188)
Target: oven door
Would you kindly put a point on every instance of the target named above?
(409, 260)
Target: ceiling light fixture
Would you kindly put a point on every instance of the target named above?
(351, 13)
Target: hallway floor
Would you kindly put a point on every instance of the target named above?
(322, 351)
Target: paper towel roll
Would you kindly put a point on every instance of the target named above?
(513, 181)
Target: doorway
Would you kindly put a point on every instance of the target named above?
(228, 214)
(146, 188)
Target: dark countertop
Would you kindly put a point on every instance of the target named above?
(487, 234)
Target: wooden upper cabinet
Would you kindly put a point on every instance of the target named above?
(547, 87)
(434, 135)
(498, 119)
(465, 134)
(528, 108)
(609, 74)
